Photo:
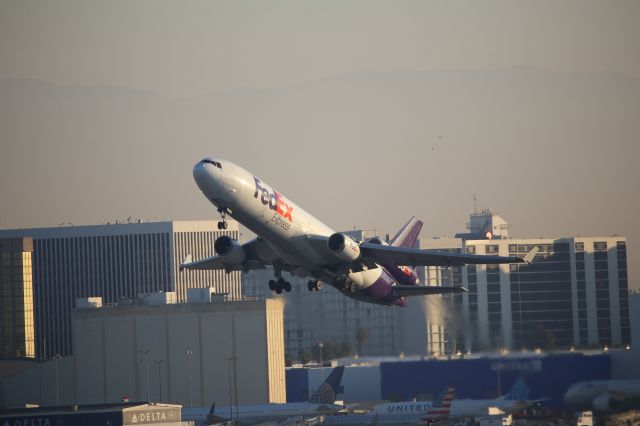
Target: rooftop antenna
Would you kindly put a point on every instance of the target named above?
(475, 204)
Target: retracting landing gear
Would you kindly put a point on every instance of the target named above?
(347, 286)
(279, 285)
(222, 225)
(314, 285)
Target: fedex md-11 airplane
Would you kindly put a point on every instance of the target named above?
(292, 240)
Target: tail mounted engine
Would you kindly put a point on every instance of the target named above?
(343, 247)
(405, 275)
(229, 249)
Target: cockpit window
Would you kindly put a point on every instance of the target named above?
(215, 163)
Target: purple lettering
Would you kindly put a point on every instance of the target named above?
(258, 187)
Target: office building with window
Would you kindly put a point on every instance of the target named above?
(115, 262)
(16, 298)
(573, 294)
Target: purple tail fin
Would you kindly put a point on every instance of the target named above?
(408, 234)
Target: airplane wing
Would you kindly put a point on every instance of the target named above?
(415, 290)
(257, 256)
(417, 257)
(371, 252)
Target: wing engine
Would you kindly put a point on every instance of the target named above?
(343, 247)
(229, 249)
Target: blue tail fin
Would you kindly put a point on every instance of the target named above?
(519, 391)
(408, 234)
(326, 393)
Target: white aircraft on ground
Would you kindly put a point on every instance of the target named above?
(292, 240)
(604, 395)
(513, 402)
(439, 411)
(321, 402)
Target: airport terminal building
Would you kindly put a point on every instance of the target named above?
(115, 262)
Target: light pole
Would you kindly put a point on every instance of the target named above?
(320, 345)
(39, 367)
(139, 388)
(145, 353)
(235, 382)
(159, 362)
(230, 393)
(189, 353)
(235, 385)
(57, 357)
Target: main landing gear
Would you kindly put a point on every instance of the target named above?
(222, 225)
(279, 285)
(314, 285)
(346, 285)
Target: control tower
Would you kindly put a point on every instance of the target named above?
(485, 225)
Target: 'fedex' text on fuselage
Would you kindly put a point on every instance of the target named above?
(273, 199)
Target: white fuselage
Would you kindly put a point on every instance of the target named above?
(261, 413)
(586, 394)
(278, 220)
(459, 407)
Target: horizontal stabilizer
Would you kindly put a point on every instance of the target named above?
(419, 290)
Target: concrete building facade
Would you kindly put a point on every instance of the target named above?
(178, 344)
(115, 262)
(185, 353)
(16, 298)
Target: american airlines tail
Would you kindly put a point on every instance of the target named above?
(326, 393)
(441, 407)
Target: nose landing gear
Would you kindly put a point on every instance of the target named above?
(222, 225)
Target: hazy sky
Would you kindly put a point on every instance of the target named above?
(106, 106)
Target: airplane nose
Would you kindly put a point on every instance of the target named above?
(198, 169)
(203, 174)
